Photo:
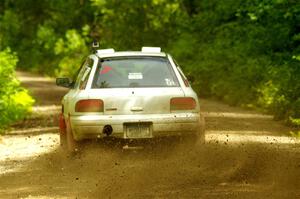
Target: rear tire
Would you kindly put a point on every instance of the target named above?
(198, 137)
(201, 131)
(62, 132)
(63, 139)
(72, 146)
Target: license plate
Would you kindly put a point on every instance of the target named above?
(138, 130)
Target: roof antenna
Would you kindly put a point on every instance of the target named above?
(95, 45)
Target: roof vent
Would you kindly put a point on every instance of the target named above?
(151, 49)
(105, 51)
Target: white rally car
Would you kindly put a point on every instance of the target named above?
(129, 95)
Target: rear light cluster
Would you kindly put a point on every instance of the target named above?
(182, 103)
(89, 105)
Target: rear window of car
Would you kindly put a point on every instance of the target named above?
(131, 72)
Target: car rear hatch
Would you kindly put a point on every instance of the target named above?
(122, 101)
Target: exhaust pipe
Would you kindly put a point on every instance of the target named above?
(107, 130)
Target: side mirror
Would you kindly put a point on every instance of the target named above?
(64, 82)
(190, 78)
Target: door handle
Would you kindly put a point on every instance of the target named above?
(111, 109)
(136, 109)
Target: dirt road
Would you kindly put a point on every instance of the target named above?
(247, 155)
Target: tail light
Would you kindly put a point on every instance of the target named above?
(182, 103)
(89, 105)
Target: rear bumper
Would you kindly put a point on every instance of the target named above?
(177, 124)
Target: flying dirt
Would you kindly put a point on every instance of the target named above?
(246, 155)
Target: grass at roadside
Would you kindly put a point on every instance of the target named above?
(295, 134)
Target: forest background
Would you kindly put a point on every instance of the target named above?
(243, 52)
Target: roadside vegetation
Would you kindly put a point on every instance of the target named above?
(244, 52)
(15, 102)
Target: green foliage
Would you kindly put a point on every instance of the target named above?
(10, 27)
(144, 22)
(15, 102)
(70, 49)
(246, 53)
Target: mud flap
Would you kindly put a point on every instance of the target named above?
(62, 124)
